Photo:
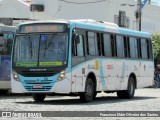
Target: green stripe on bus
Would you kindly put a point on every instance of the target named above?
(50, 63)
(26, 64)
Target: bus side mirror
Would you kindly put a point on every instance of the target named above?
(77, 40)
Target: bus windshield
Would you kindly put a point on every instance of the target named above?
(41, 50)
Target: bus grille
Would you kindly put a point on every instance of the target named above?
(45, 88)
(38, 82)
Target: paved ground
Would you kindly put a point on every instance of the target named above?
(147, 99)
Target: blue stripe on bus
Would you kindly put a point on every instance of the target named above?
(102, 75)
(38, 81)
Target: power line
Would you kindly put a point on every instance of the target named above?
(92, 2)
(83, 2)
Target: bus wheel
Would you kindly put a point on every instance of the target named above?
(89, 93)
(4, 92)
(129, 93)
(95, 94)
(38, 97)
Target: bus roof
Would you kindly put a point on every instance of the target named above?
(97, 26)
(110, 28)
(6, 28)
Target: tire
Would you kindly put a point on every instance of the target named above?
(89, 93)
(3, 92)
(129, 93)
(38, 97)
(95, 94)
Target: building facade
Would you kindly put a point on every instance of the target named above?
(13, 12)
(121, 12)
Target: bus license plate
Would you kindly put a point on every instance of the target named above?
(37, 86)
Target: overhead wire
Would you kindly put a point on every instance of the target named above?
(84, 3)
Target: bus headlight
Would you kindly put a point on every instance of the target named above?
(15, 76)
(61, 75)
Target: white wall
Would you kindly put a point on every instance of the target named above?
(55, 9)
(14, 9)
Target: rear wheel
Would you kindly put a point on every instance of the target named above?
(89, 93)
(95, 94)
(3, 92)
(38, 97)
(129, 93)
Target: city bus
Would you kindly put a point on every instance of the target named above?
(6, 39)
(80, 57)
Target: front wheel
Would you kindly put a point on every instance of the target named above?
(129, 93)
(89, 93)
(38, 97)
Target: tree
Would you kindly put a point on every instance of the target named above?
(156, 46)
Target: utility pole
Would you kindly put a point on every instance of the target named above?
(140, 5)
(149, 1)
(138, 15)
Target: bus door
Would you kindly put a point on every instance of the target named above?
(78, 57)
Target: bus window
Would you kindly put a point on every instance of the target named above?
(139, 48)
(126, 50)
(78, 47)
(133, 47)
(92, 44)
(144, 48)
(113, 47)
(106, 48)
(150, 49)
(120, 46)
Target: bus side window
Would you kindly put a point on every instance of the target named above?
(144, 48)
(106, 45)
(150, 49)
(125, 46)
(92, 44)
(99, 43)
(113, 46)
(139, 48)
(133, 47)
(78, 46)
(120, 46)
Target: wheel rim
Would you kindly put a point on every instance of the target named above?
(89, 90)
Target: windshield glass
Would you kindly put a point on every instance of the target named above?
(41, 50)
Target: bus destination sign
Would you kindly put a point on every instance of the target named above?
(30, 28)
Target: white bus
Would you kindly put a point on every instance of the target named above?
(80, 57)
(6, 39)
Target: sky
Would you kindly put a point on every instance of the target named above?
(157, 1)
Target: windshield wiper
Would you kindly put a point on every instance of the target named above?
(30, 47)
(49, 43)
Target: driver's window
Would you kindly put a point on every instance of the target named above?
(78, 46)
